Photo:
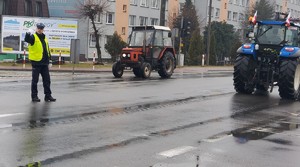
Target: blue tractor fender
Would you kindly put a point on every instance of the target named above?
(290, 52)
(247, 49)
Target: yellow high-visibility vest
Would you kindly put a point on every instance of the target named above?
(36, 50)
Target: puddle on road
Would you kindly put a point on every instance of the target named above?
(244, 135)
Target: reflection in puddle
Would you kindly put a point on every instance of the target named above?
(244, 135)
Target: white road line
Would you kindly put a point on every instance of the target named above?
(9, 115)
(176, 151)
(5, 126)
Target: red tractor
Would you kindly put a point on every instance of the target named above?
(149, 48)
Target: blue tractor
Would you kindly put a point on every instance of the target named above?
(271, 58)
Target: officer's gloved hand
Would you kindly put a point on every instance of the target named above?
(27, 36)
(50, 64)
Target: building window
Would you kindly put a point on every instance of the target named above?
(98, 18)
(132, 20)
(109, 18)
(235, 16)
(229, 15)
(39, 10)
(92, 41)
(133, 2)
(154, 21)
(123, 30)
(154, 4)
(212, 11)
(167, 5)
(217, 12)
(124, 8)
(143, 21)
(144, 3)
(109, 38)
(28, 8)
(242, 2)
(241, 17)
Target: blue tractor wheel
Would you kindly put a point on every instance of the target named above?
(289, 79)
(244, 71)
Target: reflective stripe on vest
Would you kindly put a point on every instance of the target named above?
(36, 50)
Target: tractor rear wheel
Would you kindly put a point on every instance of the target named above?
(244, 71)
(146, 70)
(167, 65)
(289, 79)
(117, 69)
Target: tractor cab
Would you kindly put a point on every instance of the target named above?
(276, 33)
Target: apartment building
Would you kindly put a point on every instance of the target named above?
(233, 11)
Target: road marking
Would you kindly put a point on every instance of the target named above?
(2, 126)
(9, 115)
(176, 151)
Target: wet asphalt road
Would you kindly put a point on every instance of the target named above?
(190, 120)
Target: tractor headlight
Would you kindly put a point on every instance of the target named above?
(124, 55)
(128, 55)
(256, 47)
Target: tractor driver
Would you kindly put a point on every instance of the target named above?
(275, 39)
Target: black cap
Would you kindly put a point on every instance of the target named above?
(40, 26)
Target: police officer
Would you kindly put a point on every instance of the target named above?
(40, 57)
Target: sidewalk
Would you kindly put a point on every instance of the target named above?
(55, 68)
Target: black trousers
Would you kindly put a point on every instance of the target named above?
(44, 71)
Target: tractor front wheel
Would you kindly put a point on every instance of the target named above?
(289, 79)
(146, 70)
(117, 69)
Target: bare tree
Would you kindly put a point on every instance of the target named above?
(91, 9)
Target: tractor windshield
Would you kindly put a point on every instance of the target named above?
(138, 37)
(271, 34)
(292, 36)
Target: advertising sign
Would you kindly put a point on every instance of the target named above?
(64, 8)
(58, 31)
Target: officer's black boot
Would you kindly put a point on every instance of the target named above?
(35, 99)
(49, 98)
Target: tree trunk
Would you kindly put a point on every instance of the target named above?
(99, 61)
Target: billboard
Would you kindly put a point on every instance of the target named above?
(58, 31)
(64, 8)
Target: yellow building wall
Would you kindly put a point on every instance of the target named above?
(223, 10)
(122, 18)
(173, 12)
(284, 6)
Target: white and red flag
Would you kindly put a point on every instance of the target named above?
(288, 21)
(254, 18)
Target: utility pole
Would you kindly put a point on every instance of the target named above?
(208, 31)
(163, 13)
